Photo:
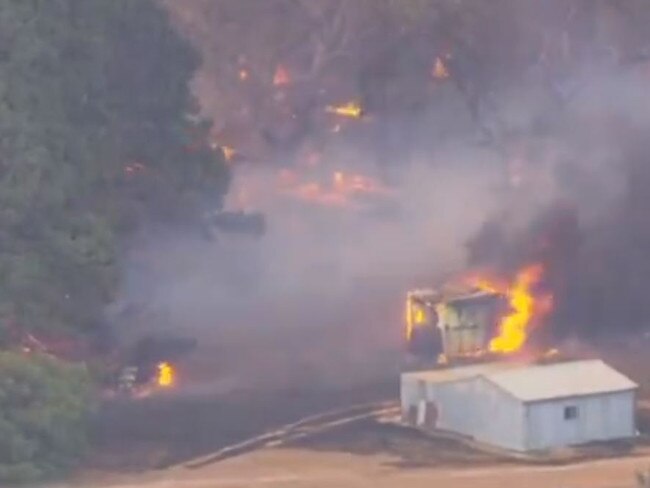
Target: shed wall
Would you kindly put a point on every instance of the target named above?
(472, 407)
(599, 417)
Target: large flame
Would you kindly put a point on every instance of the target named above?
(351, 109)
(166, 375)
(526, 307)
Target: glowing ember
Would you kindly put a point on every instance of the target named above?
(526, 308)
(351, 109)
(165, 375)
(281, 76)
(439, 70)
(228, 152)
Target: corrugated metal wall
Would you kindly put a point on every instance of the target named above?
(599, 417)
(478, 409)
(471, 407)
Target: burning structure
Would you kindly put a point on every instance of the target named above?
(450, 324)
(523, 407)
(507, 403)
(482, 315)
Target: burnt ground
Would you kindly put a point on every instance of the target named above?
(409, 448)
(164, 430)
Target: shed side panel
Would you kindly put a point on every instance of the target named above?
(476, 408)
(572, 421)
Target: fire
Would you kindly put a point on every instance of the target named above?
(526, 307)
(166, 375)
(439, 70)
(281, 76)
(343, 189)
(228, 152)
(415, 314)
(243, 75)
(351, 109)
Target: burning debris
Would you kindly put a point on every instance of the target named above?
(152, 365)
(486, 316)
(166, 375)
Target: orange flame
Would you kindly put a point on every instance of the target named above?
(166, 375)
(352, 110)
(341, 191)
(281, 76)
(526, 308)
(439, 70)
(228, 152)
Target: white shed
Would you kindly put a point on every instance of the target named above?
(523, 407)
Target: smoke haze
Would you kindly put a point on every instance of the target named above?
(321, 293)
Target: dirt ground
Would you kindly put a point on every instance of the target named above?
(305, 468)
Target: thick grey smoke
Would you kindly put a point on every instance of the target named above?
(320, 295)
(330, 278)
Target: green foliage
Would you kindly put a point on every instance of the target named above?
(94, 129)
(44, 407)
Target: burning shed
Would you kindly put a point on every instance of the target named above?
(523, 407)
(452, 323)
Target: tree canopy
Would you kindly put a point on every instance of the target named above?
(44, 406)
(97, 130)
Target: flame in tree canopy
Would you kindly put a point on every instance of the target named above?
(526, 307)
(166, 375)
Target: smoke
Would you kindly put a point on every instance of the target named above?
(515, 158)
(581, 210)
(321, 294)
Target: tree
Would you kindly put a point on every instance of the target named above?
(44, 406)
(98, 132)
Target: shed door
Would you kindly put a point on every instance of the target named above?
(430, 415)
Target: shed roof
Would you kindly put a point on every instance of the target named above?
(538, 382)
(444, 375)
(561, 380)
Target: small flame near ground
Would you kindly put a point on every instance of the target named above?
(166, 375)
